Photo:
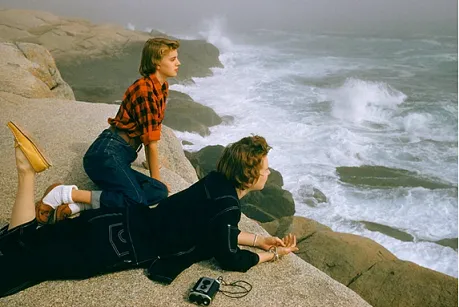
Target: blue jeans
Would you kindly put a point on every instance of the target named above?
(108, 163)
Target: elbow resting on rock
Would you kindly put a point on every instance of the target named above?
(232, 265)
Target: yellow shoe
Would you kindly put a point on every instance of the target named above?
(30, 149)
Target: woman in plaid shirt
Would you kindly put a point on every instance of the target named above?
(108, 160)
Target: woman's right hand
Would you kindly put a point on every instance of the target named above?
(290, 245)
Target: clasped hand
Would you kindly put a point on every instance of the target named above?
(285, 245)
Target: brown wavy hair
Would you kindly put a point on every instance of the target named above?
(153, 51)
(240, 162)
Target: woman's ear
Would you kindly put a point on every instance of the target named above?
(248, 186)
(156, 66)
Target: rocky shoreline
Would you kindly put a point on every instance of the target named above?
(105, 78)
(357, 262)
(99, 62)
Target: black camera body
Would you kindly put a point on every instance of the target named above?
(204, 291)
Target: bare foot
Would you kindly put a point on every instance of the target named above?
(22, 164)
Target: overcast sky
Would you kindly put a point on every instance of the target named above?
(178, 16)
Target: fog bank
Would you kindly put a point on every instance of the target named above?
(181, 16)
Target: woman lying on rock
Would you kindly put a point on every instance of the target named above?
(196, 224)
(108, 160)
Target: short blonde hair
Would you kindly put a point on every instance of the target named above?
(153, 52)
(240, 162)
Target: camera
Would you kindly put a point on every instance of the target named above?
(204, 291)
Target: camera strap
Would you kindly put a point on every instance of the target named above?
(240, 288)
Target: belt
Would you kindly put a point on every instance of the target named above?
(133, 142)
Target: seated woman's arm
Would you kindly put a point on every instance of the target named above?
(254, 240)
(227, 236)
(224, 234)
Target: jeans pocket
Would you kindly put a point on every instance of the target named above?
(117, 239)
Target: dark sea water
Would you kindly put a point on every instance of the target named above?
(370, 122)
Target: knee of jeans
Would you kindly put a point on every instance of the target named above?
(163, 193)
(135, 202)
(87, 161)
(88, 169)
(160, 187)
(93, 165)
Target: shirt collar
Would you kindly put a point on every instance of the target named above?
(220, 186)
(164, 88)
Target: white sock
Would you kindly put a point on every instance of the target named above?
(79, 207)
(62, 194)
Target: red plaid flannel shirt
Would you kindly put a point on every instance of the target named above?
(142, 110)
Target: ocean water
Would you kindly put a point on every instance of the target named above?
(329, 100)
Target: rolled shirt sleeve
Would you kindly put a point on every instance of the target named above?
(148, 115)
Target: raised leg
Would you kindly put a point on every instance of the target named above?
(24, 207)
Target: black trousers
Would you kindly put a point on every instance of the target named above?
(93, 243)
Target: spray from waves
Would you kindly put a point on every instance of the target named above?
(420, 126)
(213, 30)
(417, 122)
(130, 26)
(358, 100)
(158, 31)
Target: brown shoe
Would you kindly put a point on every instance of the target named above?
(46, 214)
(43, 213)
(62, 212)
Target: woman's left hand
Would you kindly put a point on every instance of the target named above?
(267, 242)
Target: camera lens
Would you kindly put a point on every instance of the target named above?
(193, 298)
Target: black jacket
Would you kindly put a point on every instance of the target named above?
(195, 224)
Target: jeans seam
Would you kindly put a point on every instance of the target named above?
(129, 178)
(103, 141)
(105, 215)
(130, 237)
(14, 290)
(222, 212)
(107, 147)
